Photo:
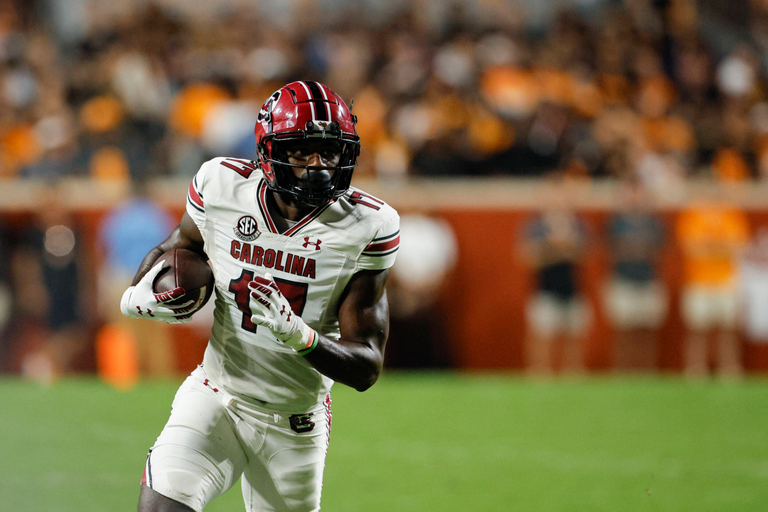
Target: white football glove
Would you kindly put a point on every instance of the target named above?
(140, 301)
(271, 309)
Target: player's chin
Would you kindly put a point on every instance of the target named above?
(315, 203)
(306, 201)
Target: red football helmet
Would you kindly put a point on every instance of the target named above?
(307, 115)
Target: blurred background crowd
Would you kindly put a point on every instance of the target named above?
(657, 90)
(650, 94)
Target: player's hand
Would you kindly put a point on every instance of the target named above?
(271, 309)
(140, 301)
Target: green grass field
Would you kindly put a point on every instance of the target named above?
(428, 442)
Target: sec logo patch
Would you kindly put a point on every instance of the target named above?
(246, 229)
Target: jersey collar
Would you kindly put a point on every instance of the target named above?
(261, 195)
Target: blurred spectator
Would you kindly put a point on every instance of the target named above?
(6, 296)
(557, 314)
(428, 252)
(711, 234)
(126, 235)
(638, 89)
(60, 156)
(50, 330)
(489, 87)
(636, 299)
(753, 288)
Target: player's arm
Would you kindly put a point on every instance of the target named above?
(185, 236)
(357, 358)
(140, 300)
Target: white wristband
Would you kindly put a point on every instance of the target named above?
(301, 339)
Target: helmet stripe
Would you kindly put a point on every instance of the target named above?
(319, 94)
(311, 103)
(318, 97)
(327, 102)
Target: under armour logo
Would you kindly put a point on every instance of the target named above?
(149, 311)
(206, 383)
(308, 242)
(282, 311)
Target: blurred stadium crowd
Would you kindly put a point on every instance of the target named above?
(598, 88)
(651, 92)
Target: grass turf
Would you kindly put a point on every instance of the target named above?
(421, 442)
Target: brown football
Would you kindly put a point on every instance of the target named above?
(187, 270)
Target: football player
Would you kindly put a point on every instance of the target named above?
(300, 259)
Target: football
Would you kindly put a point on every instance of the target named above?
(187, 270)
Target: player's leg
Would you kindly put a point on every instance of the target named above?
(577, 314)
(636, 311)
(632, 350)
(619, 307)
(655, 311)
(544, 322)
(152, 501)
(287, 474)
(695, 309)
(729, 351)
(197, 456)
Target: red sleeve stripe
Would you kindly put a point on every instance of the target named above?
(383, 238)
(194, 196)
(380, 254)
(194, 182)
(383, 246)
(193, 205)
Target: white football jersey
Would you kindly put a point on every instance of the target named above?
(311, 262)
